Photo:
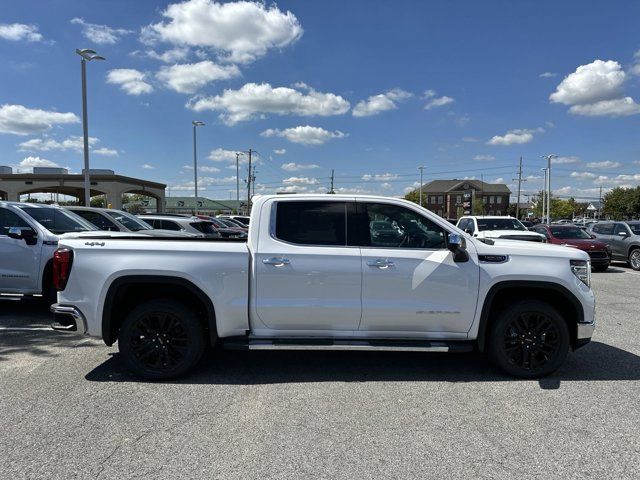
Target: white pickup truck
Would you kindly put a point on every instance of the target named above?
(314, 273)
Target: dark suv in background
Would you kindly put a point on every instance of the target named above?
(623, 238)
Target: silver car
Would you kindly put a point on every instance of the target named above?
(623, 238)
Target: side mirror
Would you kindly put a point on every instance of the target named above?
(455, 243)
(468, 230)
(593, 236)
(622, 234)
(27, 234)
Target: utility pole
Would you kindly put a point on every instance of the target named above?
(421, 168)
(519, 189)
(249, 185)
(238, 182)
(331, 191)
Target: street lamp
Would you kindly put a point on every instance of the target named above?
(544, 191)
(238, 182)
(549, 158)
(87, 55)
(195, 123)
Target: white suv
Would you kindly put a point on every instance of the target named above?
(507, 228)
(29, 235)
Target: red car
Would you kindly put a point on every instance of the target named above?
(573, 236)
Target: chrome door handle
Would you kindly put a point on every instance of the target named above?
(277, 261)
(380, 263)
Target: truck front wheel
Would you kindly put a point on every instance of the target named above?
(529, 339)
(161, 339)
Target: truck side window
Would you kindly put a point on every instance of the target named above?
(311, 223)
(169, 225)
(393, 226)
(9, 219)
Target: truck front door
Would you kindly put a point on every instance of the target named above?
(305, 275)
(20, 263)
(410, 282)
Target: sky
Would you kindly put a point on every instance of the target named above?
(370, 89)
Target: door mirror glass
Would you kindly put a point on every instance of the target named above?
(468, 230)
(455, 243)
(622, 233)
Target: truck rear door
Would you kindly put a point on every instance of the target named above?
(305, 275)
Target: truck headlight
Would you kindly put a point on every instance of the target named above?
(582, 270)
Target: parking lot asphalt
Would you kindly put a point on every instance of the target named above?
(69, 410)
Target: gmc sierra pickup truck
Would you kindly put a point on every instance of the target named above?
(316, 273)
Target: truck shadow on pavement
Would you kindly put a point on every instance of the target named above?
(594, 362)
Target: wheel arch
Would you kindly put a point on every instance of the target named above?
(503, 293)
(126, 292)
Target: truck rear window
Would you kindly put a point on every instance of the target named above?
(311, 223)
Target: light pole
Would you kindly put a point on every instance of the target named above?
(196, 124)
(544, 191)
(549, 158)
(87, 55)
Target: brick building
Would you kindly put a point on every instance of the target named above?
(445, 197)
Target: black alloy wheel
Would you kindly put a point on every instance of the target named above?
(161, 339)
(529, 340)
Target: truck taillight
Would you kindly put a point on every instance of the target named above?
(62, 260)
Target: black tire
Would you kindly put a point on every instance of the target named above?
(600, 268)
(634, 259)
(529, 339)
(161, 339)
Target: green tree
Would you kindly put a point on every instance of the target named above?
(135, 209)
(622, 203)
(413, 196)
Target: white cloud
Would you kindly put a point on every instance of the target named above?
(29, 162)
(107, 152)
(590, 83)
(47, 144)
(254, 99)
(605, 164)
(380, 103)
(565, 160)
(595, 89)
(296, 167)
(548, 75)
(238, 31)
(172, 55)
(20, 120)
(16, 32)
(439, 102)
(515, 137)
(618, 107)
(280, 151)
(306, 135)
(147, 166)
(130, 80)
(100, 34)
(583, 175)
(222, 155)
(484, 158)
(300, 181)
(292, 189)
(384, 177)
(635, 68)
(190, 77)
(208, 169)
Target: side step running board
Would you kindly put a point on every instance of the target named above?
(354, 344)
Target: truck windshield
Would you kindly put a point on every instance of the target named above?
(570, 232)
(499, 224)
(130, 221)
(57, 220)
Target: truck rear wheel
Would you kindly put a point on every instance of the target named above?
(529, 339)
(161, 339)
